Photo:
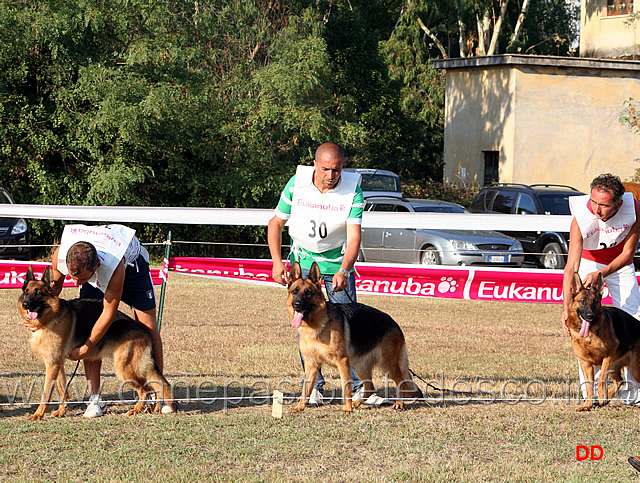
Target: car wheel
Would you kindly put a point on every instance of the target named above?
(552, 256)
(430, 256)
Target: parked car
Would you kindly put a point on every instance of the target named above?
(545, 249)
(14, 233)
(434, 247)
(378, 182)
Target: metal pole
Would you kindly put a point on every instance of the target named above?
(164, 275)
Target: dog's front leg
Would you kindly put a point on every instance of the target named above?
(603, 397)
(310, 376)
(587, 372)
(62, 391)
(51, 375)
(345, 378)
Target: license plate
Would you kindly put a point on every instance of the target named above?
(497, 259)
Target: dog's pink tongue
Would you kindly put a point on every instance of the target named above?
(32, 315)
(297, 320)
(584, 330)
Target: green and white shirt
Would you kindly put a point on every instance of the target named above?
(318, 221)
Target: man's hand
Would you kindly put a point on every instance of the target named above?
(79, 352)
(339, 282)
(279, 273)
(590, 279)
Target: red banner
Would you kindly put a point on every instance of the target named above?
(470, 283)
(12, 273)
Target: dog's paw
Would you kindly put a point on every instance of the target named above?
(586, 407)
(347, 410)
(59, 413)
(35, 417)
(398, 406)
(297, 408)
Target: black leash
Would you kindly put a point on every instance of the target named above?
(333, 292)
(66, 389)
(448, 391)
(426, 382)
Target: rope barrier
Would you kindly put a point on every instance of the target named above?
(265, 398)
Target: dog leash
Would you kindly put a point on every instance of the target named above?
(449, 391)
(333, 292)
(66, 389)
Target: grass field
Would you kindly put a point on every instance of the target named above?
(235, 340)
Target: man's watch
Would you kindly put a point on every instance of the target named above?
(346, 272)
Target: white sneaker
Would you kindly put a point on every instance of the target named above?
(166, 409)
(96, 407)
(358, 395)
(316, 398)
(373, 400)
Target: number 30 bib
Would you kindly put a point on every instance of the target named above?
(318, 220)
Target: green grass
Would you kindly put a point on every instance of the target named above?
(236, 338)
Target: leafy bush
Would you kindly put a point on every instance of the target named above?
(439, 191)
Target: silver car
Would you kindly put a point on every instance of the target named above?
(434, 247)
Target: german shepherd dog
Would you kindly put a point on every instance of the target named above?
(65, 324)
(342, 335)
(601, 336)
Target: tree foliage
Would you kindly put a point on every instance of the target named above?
(183, 103)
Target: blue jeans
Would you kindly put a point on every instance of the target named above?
(346, 296)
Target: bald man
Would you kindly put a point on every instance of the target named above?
(323, 207)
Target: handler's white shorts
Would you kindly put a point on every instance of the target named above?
(625, 294)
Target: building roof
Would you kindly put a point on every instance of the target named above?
(538, 61)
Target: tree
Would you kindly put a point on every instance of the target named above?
(175, 102)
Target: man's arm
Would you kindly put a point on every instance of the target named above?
(573, 264)
(110, 303)
(274, 240)
(57, 276)
(354, 234)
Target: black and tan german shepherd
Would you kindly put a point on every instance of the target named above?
(342, 335)
(601, 336)
(65, 324)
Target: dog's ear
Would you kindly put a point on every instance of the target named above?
(50, 283)
(315, 276)
(46, 276)
(576, 284)
(295, 273)
(598, 286)
(28, 277)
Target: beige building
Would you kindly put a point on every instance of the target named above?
(533, 119)
(605, 29)
(530, 119)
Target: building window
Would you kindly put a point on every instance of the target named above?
(490, 166)
(619, 7)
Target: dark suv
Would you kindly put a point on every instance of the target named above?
(14, 233)
(545, 249)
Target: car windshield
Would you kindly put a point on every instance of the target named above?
(438, 209)
(379, 182)
(555, 203)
